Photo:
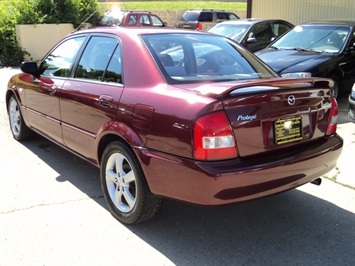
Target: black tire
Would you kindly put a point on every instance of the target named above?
(337, 90)
(20, 131)
(124, 185)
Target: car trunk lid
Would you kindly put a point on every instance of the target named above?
(268, 115)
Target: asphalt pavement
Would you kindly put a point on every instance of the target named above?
(52, 212)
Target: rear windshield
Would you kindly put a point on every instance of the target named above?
(183, 58)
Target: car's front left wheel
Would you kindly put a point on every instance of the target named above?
(19, 129)
(124, 185)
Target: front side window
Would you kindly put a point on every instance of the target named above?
(226, 16)
(279, 28)
(261, 32)
(183, 58)
(235, 32)
(60, 60)
(157, 21)
(352, 40)
(96, 57)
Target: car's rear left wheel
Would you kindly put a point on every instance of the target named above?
(19, 129)
(124, 185)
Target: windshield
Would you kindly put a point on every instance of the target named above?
(235, 32)
(320, 38)
(183, 58)
(113, 17)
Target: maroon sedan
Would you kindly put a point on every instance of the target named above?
(170, 113)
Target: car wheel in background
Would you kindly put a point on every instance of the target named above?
(337, 90)
(19, 129)
(124, 185)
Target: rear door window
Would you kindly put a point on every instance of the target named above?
(145, 20)
(206, 17)
(96, 57)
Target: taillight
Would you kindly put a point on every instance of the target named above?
(213, 137)
(198, 26)
(333, 117)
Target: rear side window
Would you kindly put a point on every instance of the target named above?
(114, 69)
(206, 17)
(190, 16)
(132, 20)
(100, 60)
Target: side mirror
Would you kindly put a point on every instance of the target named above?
(30, 68)
(165, 24)
(251, 40)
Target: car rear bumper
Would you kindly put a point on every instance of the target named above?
(218, 183)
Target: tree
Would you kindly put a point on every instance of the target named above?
(14, 12)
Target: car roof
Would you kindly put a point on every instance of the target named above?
(250, 21)
(134, 30)
(349, 22)
(137, 12)
(209, 10)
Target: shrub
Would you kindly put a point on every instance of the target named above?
(10, 53)
(67, 11)
(14, 12)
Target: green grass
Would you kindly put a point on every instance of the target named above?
(180, 5)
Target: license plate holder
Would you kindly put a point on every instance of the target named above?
(287, 130)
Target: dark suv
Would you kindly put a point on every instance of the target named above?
(204, 19)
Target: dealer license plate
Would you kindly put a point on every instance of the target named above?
(288, 130)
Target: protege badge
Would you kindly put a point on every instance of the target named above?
(246, 117)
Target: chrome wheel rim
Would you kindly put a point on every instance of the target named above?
(15, 118)
(121, 182)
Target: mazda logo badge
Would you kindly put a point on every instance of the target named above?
(291, 100)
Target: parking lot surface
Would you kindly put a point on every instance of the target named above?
(52, 212)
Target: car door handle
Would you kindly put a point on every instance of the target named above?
(53, 90)
(106, 101)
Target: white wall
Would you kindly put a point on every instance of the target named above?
(39, 39)
(298, 11)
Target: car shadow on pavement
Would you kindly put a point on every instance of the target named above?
(292, 228)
